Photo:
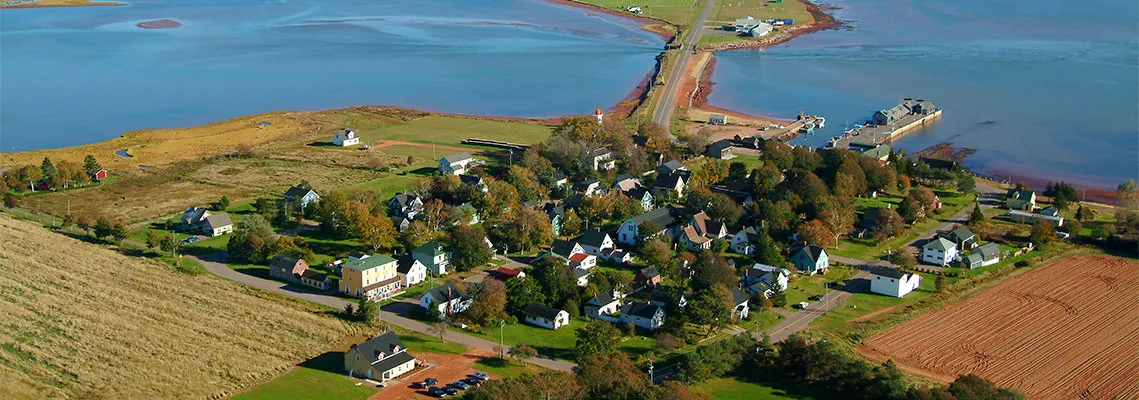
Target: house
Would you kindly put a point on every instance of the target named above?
(593, 242)
(763, 29)
(763, 279)
(648, 276)
(707, 227)
(216, 225)
(904, 108)
(504, 274)
(457, 164)
(662, 296)
(468, 214)
(625, 183)
(693, 241)
(583, 261)
(745, 241)
(381, 358)
(581, 276)
(743, 25)
(315, 279)
(600, 159)
(557, 215)
(433, 256)
(446, 299)
(879, 152)
(590, 187)
(300, 197)
(405, 205)
(665, 218)
(401, 224)
(564, 249)
(193, 216)
(616, 255)
(1050, 211)
(643, 315)
(740, 299)
(670, 167)
(739, 192)
(1020, 199)
(560, 179)
(411, 272)
(717, 119)
(602, 304)
(669, 183)
(644, 196)
(287, 268)
(546, 317)
(939, 251)
(345, 137)
(720, 150)
(1031, 218)
(893, 282)
(983, 256)
(751, 142)
(373, 278)
(99, 175)
(962, 237)
(474, 181)
(810, 259)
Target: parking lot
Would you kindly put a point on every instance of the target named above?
(446, 368)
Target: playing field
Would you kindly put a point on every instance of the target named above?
(1067, 330)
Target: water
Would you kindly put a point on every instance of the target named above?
(1059, 80)
(79, 75)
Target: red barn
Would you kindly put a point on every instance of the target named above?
(99, 175)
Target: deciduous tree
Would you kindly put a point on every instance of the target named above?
(710, 269)
(523, 290)
(522, 352)
(488, 301)
(470, 249)
(815, 232)
(599, 337)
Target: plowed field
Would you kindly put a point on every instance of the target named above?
(1067, 330)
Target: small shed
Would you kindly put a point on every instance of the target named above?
(99, 175)
(718, 119)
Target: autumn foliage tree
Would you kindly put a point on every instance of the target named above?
(816, 232)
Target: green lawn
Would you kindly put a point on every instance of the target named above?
(560, 343)
(729, 11)
(504, 368)
(869, 249)
(802, 288)
(732, 388)
(422, 343)
(318, 378)
(679, 12)
(452, 130)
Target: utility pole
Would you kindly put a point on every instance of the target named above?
(501, 346)
(651, 378)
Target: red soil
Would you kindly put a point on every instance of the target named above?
(446, 368)
(160, 24)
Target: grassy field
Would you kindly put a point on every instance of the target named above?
(320, 378)
(756, 388)
(803, 287)
(81, 321)
(452, 130)
(678, 12)
(869, 249)
(728, 11)
(559, 343)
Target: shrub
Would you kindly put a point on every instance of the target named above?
(1023, 263)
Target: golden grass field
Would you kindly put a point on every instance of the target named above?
(81, 321)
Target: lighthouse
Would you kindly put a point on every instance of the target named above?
(597, 113)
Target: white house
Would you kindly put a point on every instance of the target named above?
(301, 197)
(893, 282)
(457, 164)
(739, 299)
(693, 241)
(546, 317)
(983, 256)
(939, 252)
(593, 242)
(581, 276)
(411, 271)
(664, 218)
(433, 256)
(216, 225)
(446, 299)
(669, 183)
(810, 259)
(643, 315)
(345, 137)
(600, 159)
(762, 278)
(381, 358)
(745, 241)
(590, 187)
(602, 304)
(583, 261)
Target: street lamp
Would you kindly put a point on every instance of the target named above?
(501, 346)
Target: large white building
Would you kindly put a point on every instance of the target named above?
(345, 138)
(939, 251)
(893, 282)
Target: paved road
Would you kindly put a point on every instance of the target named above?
(667, 104)
(392, 313)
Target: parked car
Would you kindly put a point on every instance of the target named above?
(480, 375)
(436, 392)
(430, 382)
(189, 240)
(803, 305)
(817, 297)
(450, 391)
(476, 382)
(460, 385)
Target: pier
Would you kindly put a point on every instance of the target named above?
(804, 124)
(886, 125)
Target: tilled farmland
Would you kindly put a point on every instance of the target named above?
(1067, 330)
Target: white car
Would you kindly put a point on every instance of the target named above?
(803, 305)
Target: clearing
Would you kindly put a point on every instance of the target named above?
(1062, 331)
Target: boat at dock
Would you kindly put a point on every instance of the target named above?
(886, 125)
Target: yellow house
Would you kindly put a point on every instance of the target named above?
(372, 278)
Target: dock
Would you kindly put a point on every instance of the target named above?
(887, 125)
(803, 124)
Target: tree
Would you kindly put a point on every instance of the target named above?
(711, 307)
(976, 216)
(815, 232)
(168, 244)
(377, 231)
(119, 231)
(369, 313)
(102, 228)
(221, 204)
(599, 337)
(1084, 214)
(904, 258)
(698, 141)
(11, 201)
(572, 226)
(556, 279)
(737, 171)
(524, 181)
(656, 253)
(439, 328)
(767, 252)
(521, 291)
(1043, 233)
(647, 230)
(965, 183)
(522, 352)
(470, 249)
(1127, 206)
(940, 283)
(904, 183)
(49, 172)
(153, 239)
(778, 296)
(777, 153)
(911, 210)
(711, 269)
(488, 301)
(838, 218)
(523, 229)
(67, 221)
(90, 165)
(1060, 202)
(84, 223)
(655, 138)
(887, 224)
(613, 376)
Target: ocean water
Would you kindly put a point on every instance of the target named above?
(1043, 90)
(70, 76)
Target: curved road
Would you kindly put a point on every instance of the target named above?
(667, 104)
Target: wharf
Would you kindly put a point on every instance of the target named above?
(887, 125)
(804, 124)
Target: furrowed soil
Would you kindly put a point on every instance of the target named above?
(1065, 330)
(81, 321)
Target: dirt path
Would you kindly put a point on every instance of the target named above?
(874, 314)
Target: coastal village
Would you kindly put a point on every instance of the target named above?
(611, 255)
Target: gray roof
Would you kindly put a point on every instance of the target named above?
(961, 234)
(441, 292)
(643, 310)
(974, 258)
(940, 244)
(751, 235)
(460, 156)
(668, 181)
(218, 220)
(562, 248)
(738, 296)
(578, 273)
(716, 148)
(988, 251)
(813, 252)
(296, 192)
(592, 238)
(387, 344)
(403, 199)
(888, 272)
(552, 209)
(601, 299)
(473, 180)
(664, 216)
(649, 272)
(541, 311)
(405, 264)
(283, 261)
